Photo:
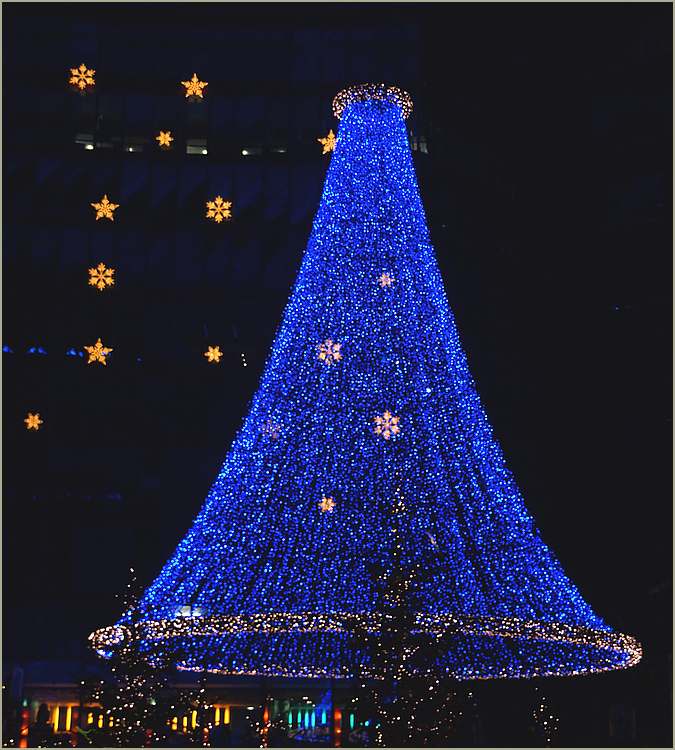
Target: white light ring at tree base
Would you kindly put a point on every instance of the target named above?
(369, 92)
(614, 650)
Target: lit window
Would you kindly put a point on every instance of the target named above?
(196, 146)
(86, 140)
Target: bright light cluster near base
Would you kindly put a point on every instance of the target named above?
(387, 423)
(275, 636)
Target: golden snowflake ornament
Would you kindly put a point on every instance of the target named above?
(386, 425)
(104, 209)
(97, 353)
(33, 421)
(82, 76)
(328, 142)
(329, 352)
(101, 276)
(385, 280)
(218, 209)
(164, 138)
(194, 86)
(271, 430)
(327, 505)
(214, 355)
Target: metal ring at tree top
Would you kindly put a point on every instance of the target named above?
(377, 91)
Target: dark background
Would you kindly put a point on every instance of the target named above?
(542, 141)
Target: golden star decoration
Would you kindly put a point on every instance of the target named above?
(82, 76)
(194, 86)
(327, 505)
(101, 276)
(385, 280)
(328, 142)
(386, 425)
(214, 355)
(97, 353)
(271, 430)
(218, 209)
(164, 138)
(33, 421)
(329, 352)
(104, 209)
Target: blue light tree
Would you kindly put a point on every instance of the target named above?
(366, 409)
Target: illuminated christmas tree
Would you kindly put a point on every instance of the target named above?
(366, 406)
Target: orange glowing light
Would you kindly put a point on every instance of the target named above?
(194, 86)
(97, 353)
(218, 209)
(387, 425)
(328, 142)
(105, 209)
(164, 138)
(33, 421)
(214, 354)
(101, 276)
(82, 76)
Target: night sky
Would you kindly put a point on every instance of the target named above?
(543, 122)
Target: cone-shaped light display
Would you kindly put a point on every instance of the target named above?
(366, 404)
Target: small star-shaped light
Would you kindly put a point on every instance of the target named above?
(104, 209)
(329, 352)
(385, 280)
(327, 505)
(97, 353)
(328, 142)
(33, 421)
(271, 430)
(164, 138)
(386, 425)
(218, 209)
(194, 86)
(101, 276)
(82, 76)
(214, 355)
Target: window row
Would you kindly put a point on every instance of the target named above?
(243, 125)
